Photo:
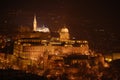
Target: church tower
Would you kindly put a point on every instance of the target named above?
(34, 23)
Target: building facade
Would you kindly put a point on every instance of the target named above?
(40, 51)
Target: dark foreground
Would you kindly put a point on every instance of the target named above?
(18, 75)
(111, 73)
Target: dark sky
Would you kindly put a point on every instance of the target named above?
(77, 14)
(72, 8)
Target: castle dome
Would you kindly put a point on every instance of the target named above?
(64, 29)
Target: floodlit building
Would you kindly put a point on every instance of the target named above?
(40, 48)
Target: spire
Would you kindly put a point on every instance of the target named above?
(34, 23)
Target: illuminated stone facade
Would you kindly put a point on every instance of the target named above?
(35, 52)
(39, 49)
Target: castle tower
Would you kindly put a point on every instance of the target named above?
(64, 34)
(34, 23)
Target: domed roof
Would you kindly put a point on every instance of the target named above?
(64, 29)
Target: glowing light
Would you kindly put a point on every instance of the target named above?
(108, 59)
(43, 29)
(106, 65)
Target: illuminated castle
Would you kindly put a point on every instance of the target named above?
(40, 51)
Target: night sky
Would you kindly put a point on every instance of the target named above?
(84, 18)
(67, 12)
